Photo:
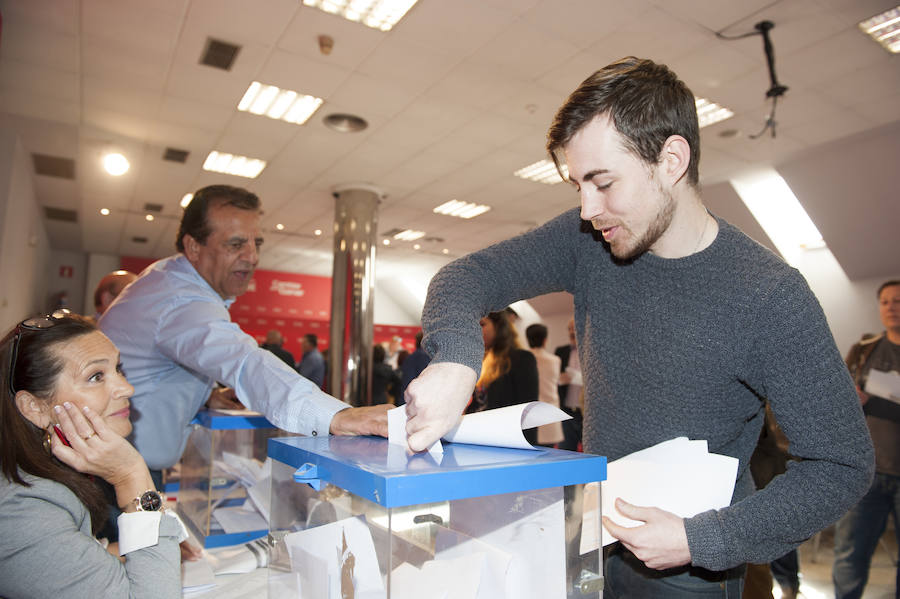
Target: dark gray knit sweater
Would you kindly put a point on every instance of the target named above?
(685, 347)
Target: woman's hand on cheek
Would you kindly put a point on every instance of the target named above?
(93, 447)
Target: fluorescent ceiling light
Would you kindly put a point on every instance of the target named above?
(461, 209)
(543, 171)
(409, 235)
(276, 103)
(377, 14)
(231, 164)
(115, 164)
(186, 199)
(709, 113)
(884, 29)
(776, 208)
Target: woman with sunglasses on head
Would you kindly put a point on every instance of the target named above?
(63, 418)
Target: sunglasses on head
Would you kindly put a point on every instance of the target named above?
(38, 323)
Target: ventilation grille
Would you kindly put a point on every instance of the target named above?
(54, 166)
(139, 239)
(392, 232)
(219, 54)
(175, 155)
(68, 216)
(153, 208)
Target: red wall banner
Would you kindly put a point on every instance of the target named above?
(294, 304)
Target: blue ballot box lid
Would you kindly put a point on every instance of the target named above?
(385, 474)
(220, 420)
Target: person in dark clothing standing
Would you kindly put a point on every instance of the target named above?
(570, 397)
(412, 367)
(274, 343)
(385, 379)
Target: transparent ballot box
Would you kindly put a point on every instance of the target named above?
(223, 494)
(358, 517)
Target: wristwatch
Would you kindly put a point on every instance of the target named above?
(149, 501)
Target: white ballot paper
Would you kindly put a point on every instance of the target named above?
(884, 384)
(501, 427)
(334, 559)
(679, 476)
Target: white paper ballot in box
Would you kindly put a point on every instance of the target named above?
(679, 476)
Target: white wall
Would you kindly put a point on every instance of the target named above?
(24, 247)
(850, 306)
(67, 274)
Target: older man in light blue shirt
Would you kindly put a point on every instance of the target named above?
(176, 338)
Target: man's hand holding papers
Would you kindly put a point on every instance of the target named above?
(660, 542)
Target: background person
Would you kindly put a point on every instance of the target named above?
(548, 378)
(509, 374)
(856, 534)
(684, 325)
(175, 333)
(60, 370)
(385, 380)
(312, 363)
(274, 343)
(109, 288)
(413, 367)
(570, 388)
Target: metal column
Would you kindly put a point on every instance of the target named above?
(352, 292)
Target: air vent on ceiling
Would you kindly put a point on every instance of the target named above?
(139, 239)
(54, 166)
(175, 155)
(219, 54)
(69, 216)
(153, 207)
(392, 232)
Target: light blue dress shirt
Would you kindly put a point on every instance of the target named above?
(176, 339)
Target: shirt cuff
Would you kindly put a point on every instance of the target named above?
(139, 530)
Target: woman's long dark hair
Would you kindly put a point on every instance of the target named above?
(497, 361)
(37, 370)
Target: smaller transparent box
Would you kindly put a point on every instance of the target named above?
(222, 464)
(358, 517)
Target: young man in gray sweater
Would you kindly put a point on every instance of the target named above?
(684, 325)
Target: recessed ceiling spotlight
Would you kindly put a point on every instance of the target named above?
(445, 251)
(115, 164)
(104, 211)
(149, 218)
(317, 232)
(417, 246)
(386, 241)
(280, 227)
(345, 123)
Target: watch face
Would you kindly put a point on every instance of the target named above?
(151, 501)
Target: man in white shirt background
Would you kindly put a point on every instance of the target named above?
(570, 396)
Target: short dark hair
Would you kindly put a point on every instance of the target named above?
(885, 285)
(194, 221)
(378, 353)
(536, 335)
(311, 339)
(37, 370)
(646, 103)
(419, 336)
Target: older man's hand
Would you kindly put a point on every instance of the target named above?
(435, 401)
(366, 420)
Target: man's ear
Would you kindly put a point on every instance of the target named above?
(674, 158)
(191, 247)
(34, 409)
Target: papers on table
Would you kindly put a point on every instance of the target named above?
(501, 427)
(884, 384)
(678, 476)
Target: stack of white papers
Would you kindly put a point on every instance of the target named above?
(679, 476)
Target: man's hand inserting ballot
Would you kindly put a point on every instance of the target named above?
(435, 401)
(661, 542)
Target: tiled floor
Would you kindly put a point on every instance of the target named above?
(815, 568)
